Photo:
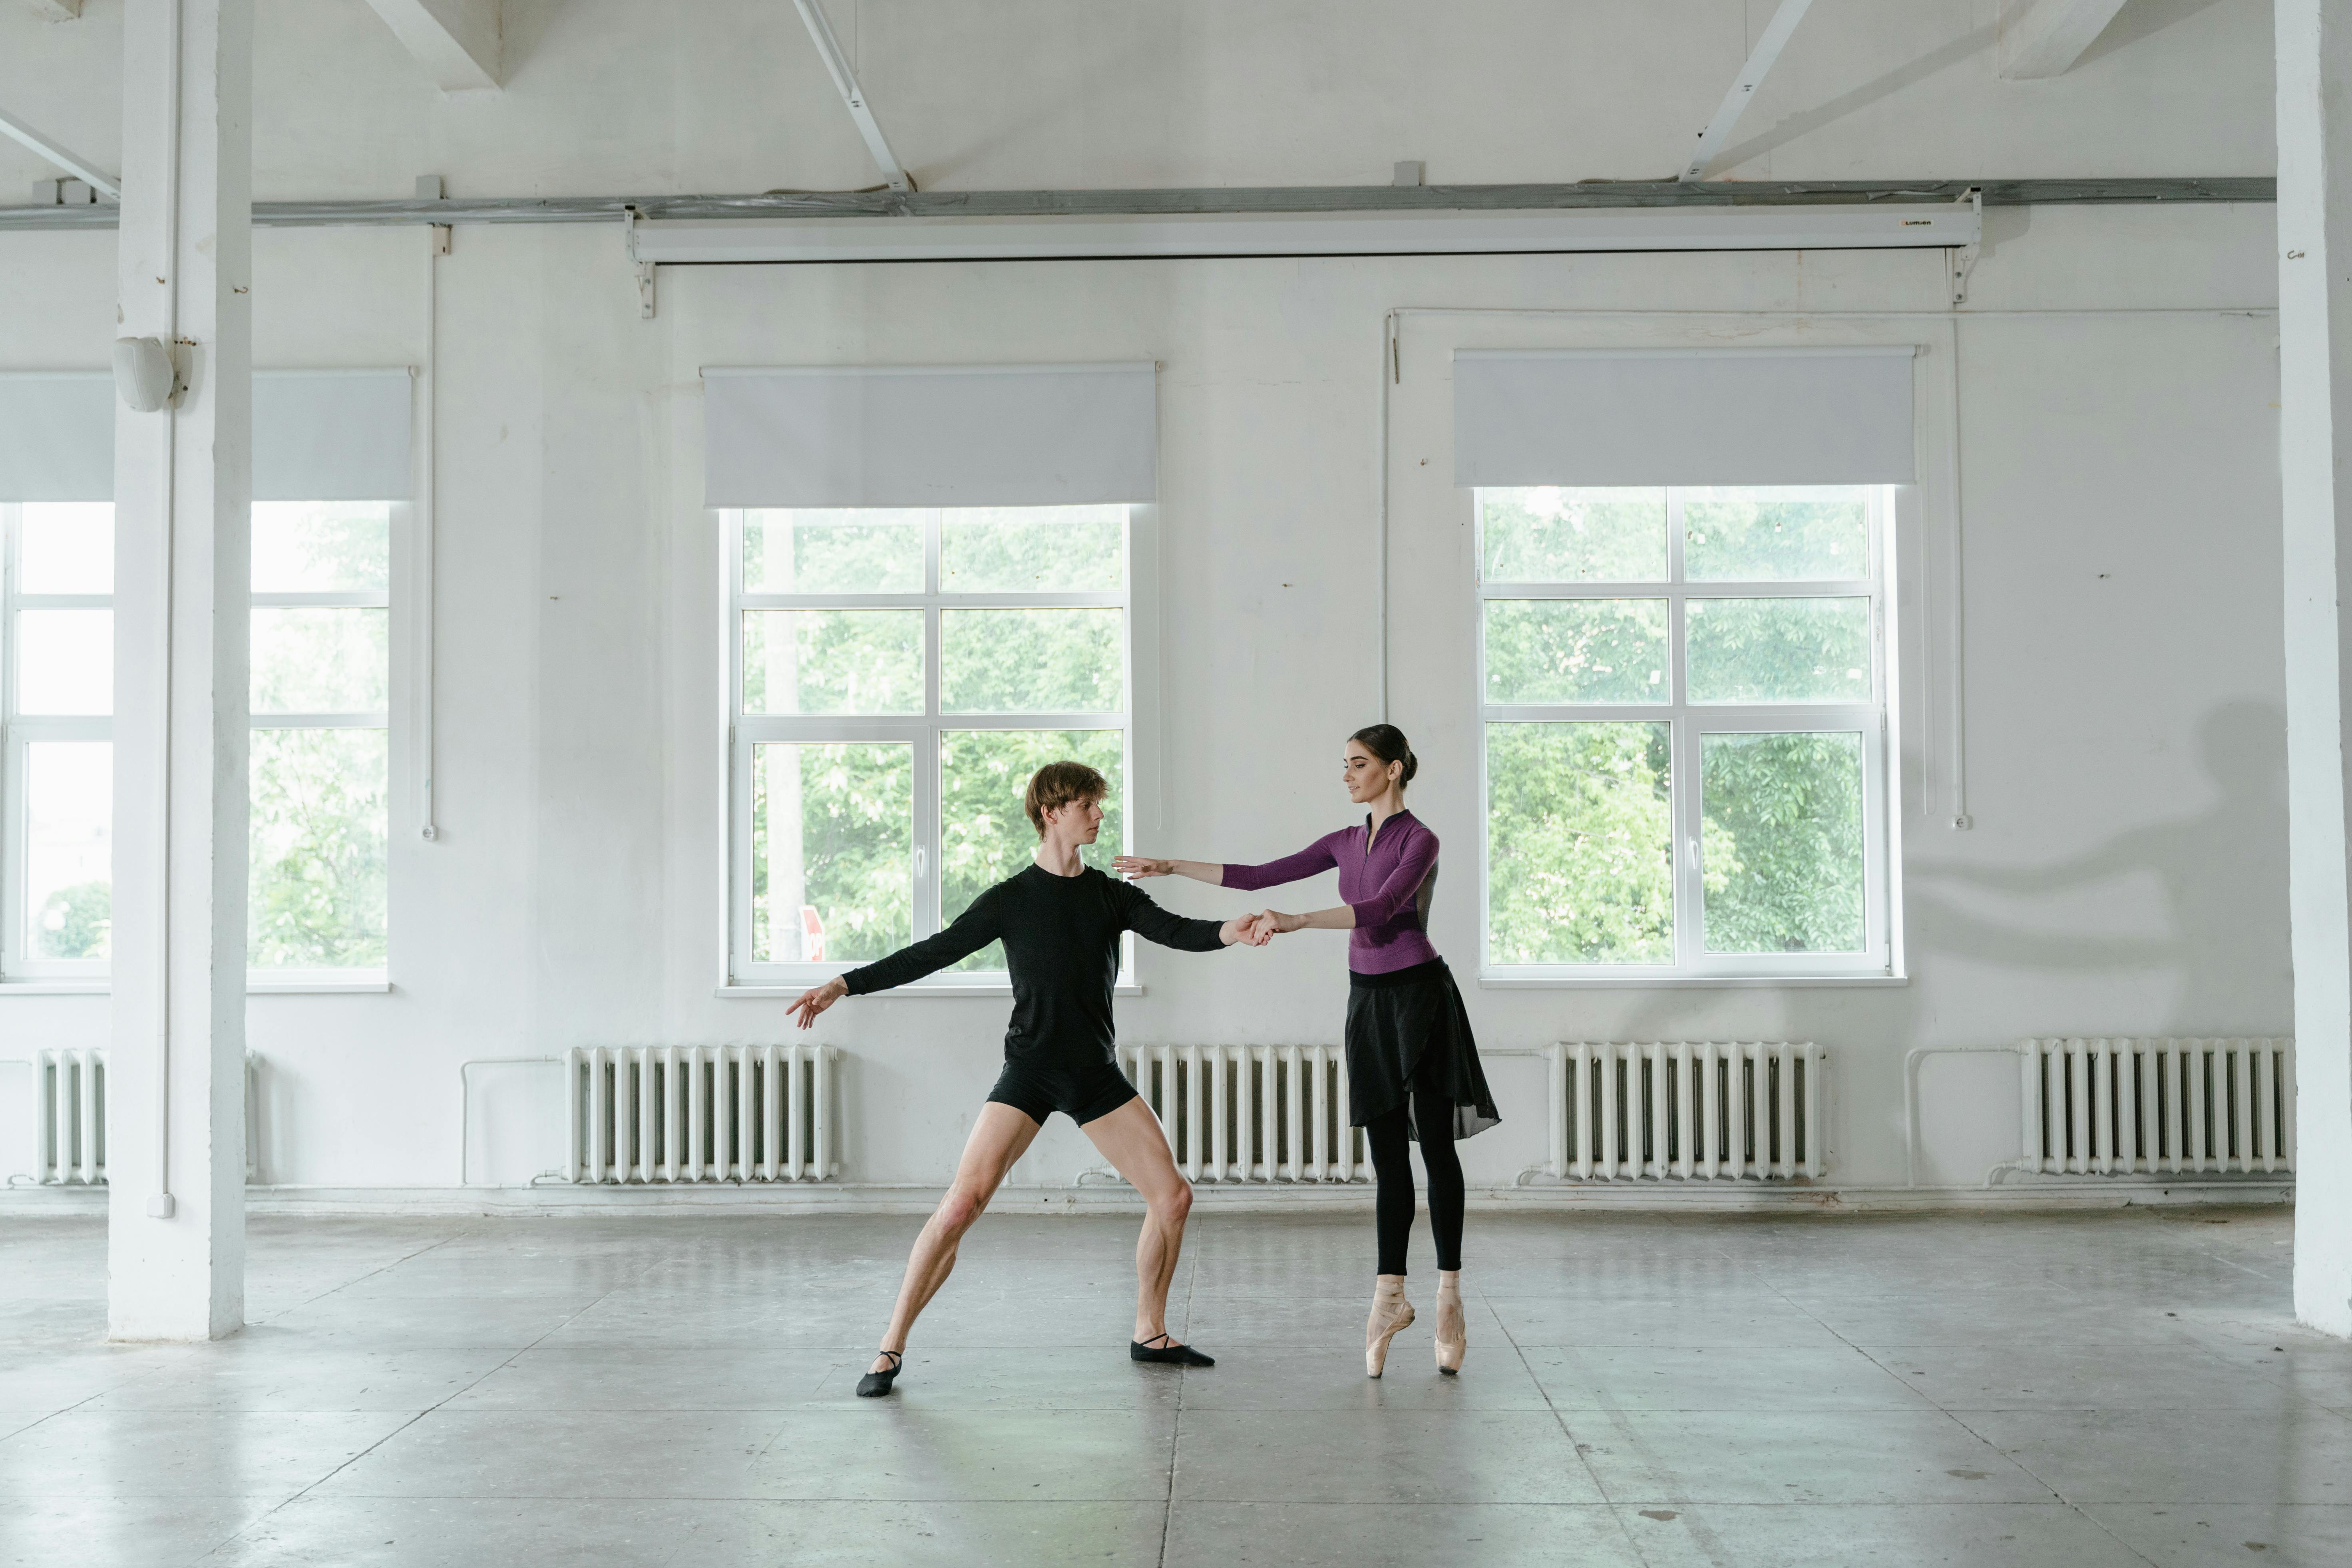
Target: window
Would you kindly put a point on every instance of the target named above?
(57, 753)
(320, 764)
(1683, 702)
(896, 676)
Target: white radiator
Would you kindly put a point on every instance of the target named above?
(1686, 1112)
(1251, 1114)
(701, 1113)
(69, 1117)
(2123, 1107)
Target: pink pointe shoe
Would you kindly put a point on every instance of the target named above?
(1452, 1329)
(1392, 1313)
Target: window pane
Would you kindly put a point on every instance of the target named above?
(1032, 661)
(68, 848)
(322, 547)
(1782, 842)
(67, 547)
(1576, 650)
(1761, 535)
(984, 831)
(832, 852)
(320, 825)
(64, 661)
(1579, 835)
(833, 661)
(1033, 550)
(813, 552)
(319, 661)
(1779, 650)
(1554, 535)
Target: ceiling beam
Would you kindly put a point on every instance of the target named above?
(1934, 194)
(1743, 89)
(2041, 39)
(79, 167)
(458, 41)
(845, 81)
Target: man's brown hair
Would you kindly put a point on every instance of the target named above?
(1057, 784)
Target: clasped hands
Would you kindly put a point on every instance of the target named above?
(1263, 927)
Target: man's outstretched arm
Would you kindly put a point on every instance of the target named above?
(974, 929)
(1150, 922)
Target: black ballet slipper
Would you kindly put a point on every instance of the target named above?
(874, 1384)
(1168, 1354)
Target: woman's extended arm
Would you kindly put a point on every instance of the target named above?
(1137, 866)
(1393, 897)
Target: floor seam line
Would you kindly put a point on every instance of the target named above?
(405, 1425)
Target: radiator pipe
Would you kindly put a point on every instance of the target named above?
(1911, 1060)
(466, 1105)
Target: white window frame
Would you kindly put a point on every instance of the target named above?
(258, 978)
(922, 732)
(18, 733)
(1689, 721)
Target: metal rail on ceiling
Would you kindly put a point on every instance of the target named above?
(884, 204)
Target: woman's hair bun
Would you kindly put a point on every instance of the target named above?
(1411, 764)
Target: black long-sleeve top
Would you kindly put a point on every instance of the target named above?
(1061, 943)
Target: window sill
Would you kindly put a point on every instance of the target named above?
(769, 993)
(1690, 982)
(356, 985)
(368, 985)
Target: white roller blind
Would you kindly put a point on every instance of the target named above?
(1676, 416)
(318, 435)
(330, 435)
(57, 435)
(838, 435)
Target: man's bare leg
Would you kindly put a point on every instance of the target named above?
(1130, 1138)
(1000, 1136)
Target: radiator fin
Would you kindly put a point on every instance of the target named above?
(69, 1117)
(1251, 1114)
(1683, 1112)
(2158, 1106)
(701, 1113)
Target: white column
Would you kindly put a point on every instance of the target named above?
(2314, 236)
(183, 489)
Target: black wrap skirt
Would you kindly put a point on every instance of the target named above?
(1407, 1029)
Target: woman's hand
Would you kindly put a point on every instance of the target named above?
(1280, 924)
(816, 999)
(1137, 866)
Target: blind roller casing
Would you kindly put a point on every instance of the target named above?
(318, 435)
(330, 435)
(1683, 416)
(57, 435)
(838, 435)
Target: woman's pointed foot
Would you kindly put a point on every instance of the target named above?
(1453, 1328)
(1391, 1315)
(877, 1383)
(1167, 1352)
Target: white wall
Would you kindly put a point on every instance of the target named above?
(2117, 472)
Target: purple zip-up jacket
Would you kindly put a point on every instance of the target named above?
(1389, 888)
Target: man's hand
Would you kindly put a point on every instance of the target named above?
(816, 999)
(1134, 868)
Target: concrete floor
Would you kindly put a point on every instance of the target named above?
(2064, 1390)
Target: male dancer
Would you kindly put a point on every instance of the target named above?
(1060, 921)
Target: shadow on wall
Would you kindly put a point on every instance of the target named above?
(2223, 873)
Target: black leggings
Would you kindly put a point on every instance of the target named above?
(1393, 1163)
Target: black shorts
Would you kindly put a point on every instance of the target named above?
(1037, 1089)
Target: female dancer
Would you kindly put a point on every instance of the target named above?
(1412, 1067)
